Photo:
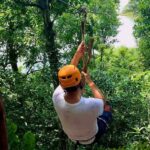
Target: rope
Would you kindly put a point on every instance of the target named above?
(83, 11)
(86, 59)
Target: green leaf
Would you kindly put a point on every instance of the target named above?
(29, 141)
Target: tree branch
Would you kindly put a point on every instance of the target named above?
(32, 71)
(30, 68)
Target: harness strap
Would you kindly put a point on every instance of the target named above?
(103, 121)
(79, 141)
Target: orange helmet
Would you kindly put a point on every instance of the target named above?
(69, 76)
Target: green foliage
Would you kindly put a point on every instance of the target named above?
(131, 9)
(17, 143)
(24, 36)
(28, 141)
(120, 76)
(101, 19)
(12, 137)
(140, 10)
(105, 19)
(142, 30)
(101, 23)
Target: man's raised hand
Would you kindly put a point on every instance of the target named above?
(81, 49)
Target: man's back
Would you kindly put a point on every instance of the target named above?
(79, 120)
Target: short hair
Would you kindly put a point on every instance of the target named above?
(74, 88)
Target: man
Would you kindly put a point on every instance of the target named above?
(82, 118)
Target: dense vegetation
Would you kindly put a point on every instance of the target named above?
(38, 36)
(141, 11)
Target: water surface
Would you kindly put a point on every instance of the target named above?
(125, 35)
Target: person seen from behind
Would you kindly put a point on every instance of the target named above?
(84, 120)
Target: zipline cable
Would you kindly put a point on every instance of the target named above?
(83, 22)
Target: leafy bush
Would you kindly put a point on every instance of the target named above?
(28, 103)
(27, 142)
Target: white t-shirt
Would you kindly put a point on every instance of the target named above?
(79, 120)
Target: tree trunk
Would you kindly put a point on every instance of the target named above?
(12, 51)
(3, 133)
(12, 57)
(51, 50)
(102, 54)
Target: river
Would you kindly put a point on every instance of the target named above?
(125, 35)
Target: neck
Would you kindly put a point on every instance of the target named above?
(73, 97)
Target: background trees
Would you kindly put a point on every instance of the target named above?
(140, 10)
(142, 30)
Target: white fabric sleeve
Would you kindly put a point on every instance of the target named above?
(59, 90)
(99, 106)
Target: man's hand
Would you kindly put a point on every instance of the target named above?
(81, 49)
(107, 108)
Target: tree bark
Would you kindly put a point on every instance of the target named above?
(102, 54)
(12, 51)
(3, 133)
(12, 57)
(51, 50)
(53, 57)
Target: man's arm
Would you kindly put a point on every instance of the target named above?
(95, 90)
(78, 54)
